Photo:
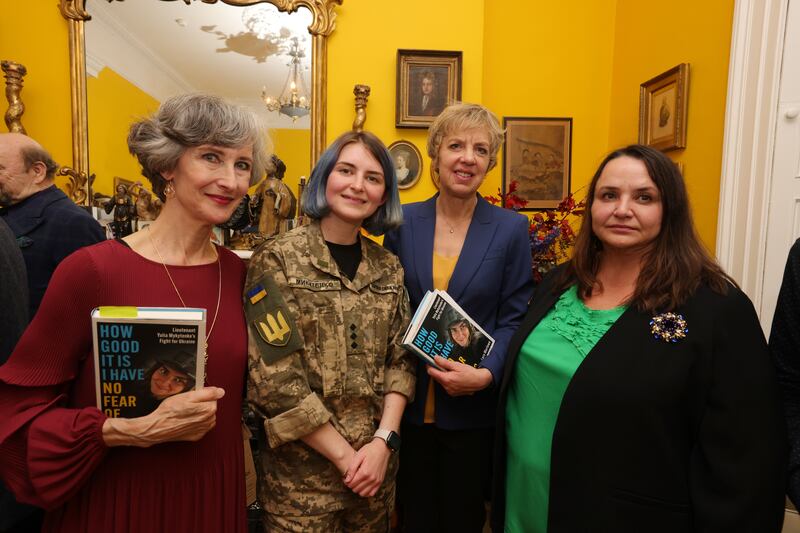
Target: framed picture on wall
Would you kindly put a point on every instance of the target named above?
(537, 155)
(663, 104)
(407, 163)
(427, 81)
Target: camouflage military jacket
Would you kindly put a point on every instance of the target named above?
(321, 348)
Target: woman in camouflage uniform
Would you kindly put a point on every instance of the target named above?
(326, 310)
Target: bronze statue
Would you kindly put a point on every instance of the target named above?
(277, 202)
(270, 211)
(124, 212)
(148, 206)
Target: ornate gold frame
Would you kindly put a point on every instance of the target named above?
(677, 79)
(322, 25)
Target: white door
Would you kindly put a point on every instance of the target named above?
(783, 227)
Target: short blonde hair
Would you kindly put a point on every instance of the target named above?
(462, 116)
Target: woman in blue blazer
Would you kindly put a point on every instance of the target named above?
(480, 254)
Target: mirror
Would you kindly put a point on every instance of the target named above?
(138, 53)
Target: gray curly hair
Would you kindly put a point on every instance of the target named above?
(190, 120)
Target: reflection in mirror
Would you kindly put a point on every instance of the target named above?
(139, 53)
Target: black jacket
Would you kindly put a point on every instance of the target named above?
(48, 227)
(784, 345)
(663, 437)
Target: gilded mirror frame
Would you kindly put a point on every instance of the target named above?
(74, 11)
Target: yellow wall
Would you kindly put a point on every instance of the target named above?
(364, 50)
(579, 58)
(34, 33)
(692, 32)
(551, 59)
(294, 149)
(108, 128)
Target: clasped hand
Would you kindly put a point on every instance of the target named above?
(459, 379)
(367, 468)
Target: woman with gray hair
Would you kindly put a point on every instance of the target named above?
(480, 254)
(179, 468)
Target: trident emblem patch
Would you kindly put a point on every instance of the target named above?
(274, 329)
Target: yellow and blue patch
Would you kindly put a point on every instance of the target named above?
(256, 294)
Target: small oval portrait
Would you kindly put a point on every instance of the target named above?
(407, 163)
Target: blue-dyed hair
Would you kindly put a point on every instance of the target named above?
(315, 204)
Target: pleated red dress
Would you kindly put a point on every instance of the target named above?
(52, 452)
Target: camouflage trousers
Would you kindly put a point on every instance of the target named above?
(368, 515)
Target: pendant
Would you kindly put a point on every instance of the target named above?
(205, 364)
(669, 327)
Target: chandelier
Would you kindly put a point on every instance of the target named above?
(293, 101)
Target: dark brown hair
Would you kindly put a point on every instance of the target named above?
(676, 264)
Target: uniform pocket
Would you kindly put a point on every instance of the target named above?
(328, 348)
(379, 348)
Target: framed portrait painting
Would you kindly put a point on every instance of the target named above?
(427, 81)
(537, 156)
(663, 104)
(407, 163)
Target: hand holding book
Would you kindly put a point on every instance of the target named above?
(442, 330)
(459, 379)
(187, 416)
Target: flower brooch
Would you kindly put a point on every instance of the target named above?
(669, 327)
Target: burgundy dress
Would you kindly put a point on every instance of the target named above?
(52, 452)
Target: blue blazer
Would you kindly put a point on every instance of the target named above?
(492, 282)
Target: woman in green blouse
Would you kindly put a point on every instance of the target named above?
(638, 394)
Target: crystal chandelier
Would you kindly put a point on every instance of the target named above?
(293, 101)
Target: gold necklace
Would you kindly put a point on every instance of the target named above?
(451, 226)
(444, 219)
(219, 289)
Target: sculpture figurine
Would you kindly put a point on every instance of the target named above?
(122, 205)
(148, 206)
(277, 202)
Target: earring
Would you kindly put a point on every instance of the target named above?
(169, 190)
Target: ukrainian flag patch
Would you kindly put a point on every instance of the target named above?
(256, 294)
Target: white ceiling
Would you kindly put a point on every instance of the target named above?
(166, 48)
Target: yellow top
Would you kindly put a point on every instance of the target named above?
(442, 270)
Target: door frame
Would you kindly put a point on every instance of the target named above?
(754, 75)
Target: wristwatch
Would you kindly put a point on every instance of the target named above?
(391, 438)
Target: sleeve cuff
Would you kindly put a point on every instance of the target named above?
(297, 422)
(495, 366)
(399, 381)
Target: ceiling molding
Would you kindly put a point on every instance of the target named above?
(110, 43)
(94, 65)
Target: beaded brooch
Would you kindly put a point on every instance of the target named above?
(668, 327)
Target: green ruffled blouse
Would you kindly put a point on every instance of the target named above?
(547, 361)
